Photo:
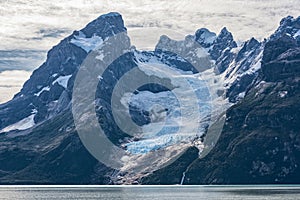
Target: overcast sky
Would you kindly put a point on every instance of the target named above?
(28, 28)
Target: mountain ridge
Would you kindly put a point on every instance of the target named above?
(47, 95)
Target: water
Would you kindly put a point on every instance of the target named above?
(152, 192)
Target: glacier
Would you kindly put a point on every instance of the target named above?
(179, 115)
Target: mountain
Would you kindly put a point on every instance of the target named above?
(259, 143)
(200, 82)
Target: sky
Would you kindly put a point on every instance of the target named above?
(29, 28)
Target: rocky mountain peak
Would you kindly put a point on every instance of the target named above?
(281, 59)
(48, 91)
(105, 25)
(289, 21)
(205, 37)
(247, 47)
(226, 36)
(224, 41)
(277, 46)
(288, 26)
(252, 42)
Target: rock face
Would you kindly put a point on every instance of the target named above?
(39, 142)
(260, 141)
(50, 151)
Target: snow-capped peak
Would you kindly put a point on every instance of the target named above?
(288, 26)
(105, 26)
(205, 37)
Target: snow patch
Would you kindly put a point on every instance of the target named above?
(63, 81)
(236, 50)
(234, 73)
(257, 64)
(297, 34)
(100, 56)
(87, 44)
(23, 124)
(242, 95)
(42, 90)
(282, 94)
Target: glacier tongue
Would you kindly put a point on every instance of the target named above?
(175, 115)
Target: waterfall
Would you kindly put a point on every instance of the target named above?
(182, 179)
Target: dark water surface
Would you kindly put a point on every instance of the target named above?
(291, 192)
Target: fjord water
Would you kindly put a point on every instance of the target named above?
(152, 192)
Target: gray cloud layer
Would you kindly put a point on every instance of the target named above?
(20, 59)
(24, 21)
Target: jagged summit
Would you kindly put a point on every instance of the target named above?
(277, 46)
(110, 15)
(221, 50)
(247, 47)
(290, 21)
(205, 37)
(227, 37)
(105, 25)
(288, 26)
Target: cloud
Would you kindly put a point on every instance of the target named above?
(50, 21)
(51, 33)
(11, 82)
(21, 59)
